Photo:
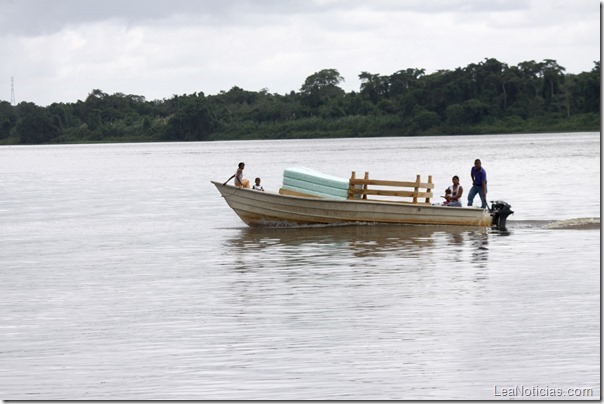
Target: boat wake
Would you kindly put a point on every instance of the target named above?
(579, 223)
(582, 223)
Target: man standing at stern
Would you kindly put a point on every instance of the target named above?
(479, 184)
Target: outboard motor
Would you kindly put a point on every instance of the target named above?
(500, 211)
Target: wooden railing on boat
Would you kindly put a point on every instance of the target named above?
(359, 188)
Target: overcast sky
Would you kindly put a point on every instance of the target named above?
(60, 50)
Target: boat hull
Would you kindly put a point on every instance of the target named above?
(269, 209)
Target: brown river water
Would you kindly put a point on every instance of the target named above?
(124, 275)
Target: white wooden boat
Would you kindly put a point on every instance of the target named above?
(271, 209)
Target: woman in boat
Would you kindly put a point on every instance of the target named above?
(456, 191)
(239, 180)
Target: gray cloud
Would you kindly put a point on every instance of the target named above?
(41, 17)
(59, 50)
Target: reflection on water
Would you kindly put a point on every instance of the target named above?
(371, 245)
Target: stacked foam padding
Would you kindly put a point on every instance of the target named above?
(310, 182)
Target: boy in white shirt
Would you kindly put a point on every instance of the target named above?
(257, 185)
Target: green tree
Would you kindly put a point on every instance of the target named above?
(587, 90)
(373, 86)
(8, 119)
(404, 80)
(474, 110)
(194, 120)
(425, 119)
(553, 77)
(35, 124)
(455, 115)
(320, 87)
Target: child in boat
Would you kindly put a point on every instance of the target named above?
(239, 180)
(257, 185)
(447, 197)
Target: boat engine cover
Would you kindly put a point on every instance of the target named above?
(500, 211)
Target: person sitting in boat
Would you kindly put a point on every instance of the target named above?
(257, 185)
(239, 180)
(453, 193)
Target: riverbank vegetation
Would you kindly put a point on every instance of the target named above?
(486, 97)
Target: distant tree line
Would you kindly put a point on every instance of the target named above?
(486, 97)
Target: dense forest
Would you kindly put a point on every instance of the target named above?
(487, 97)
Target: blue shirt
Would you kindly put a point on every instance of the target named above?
(478, 176)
